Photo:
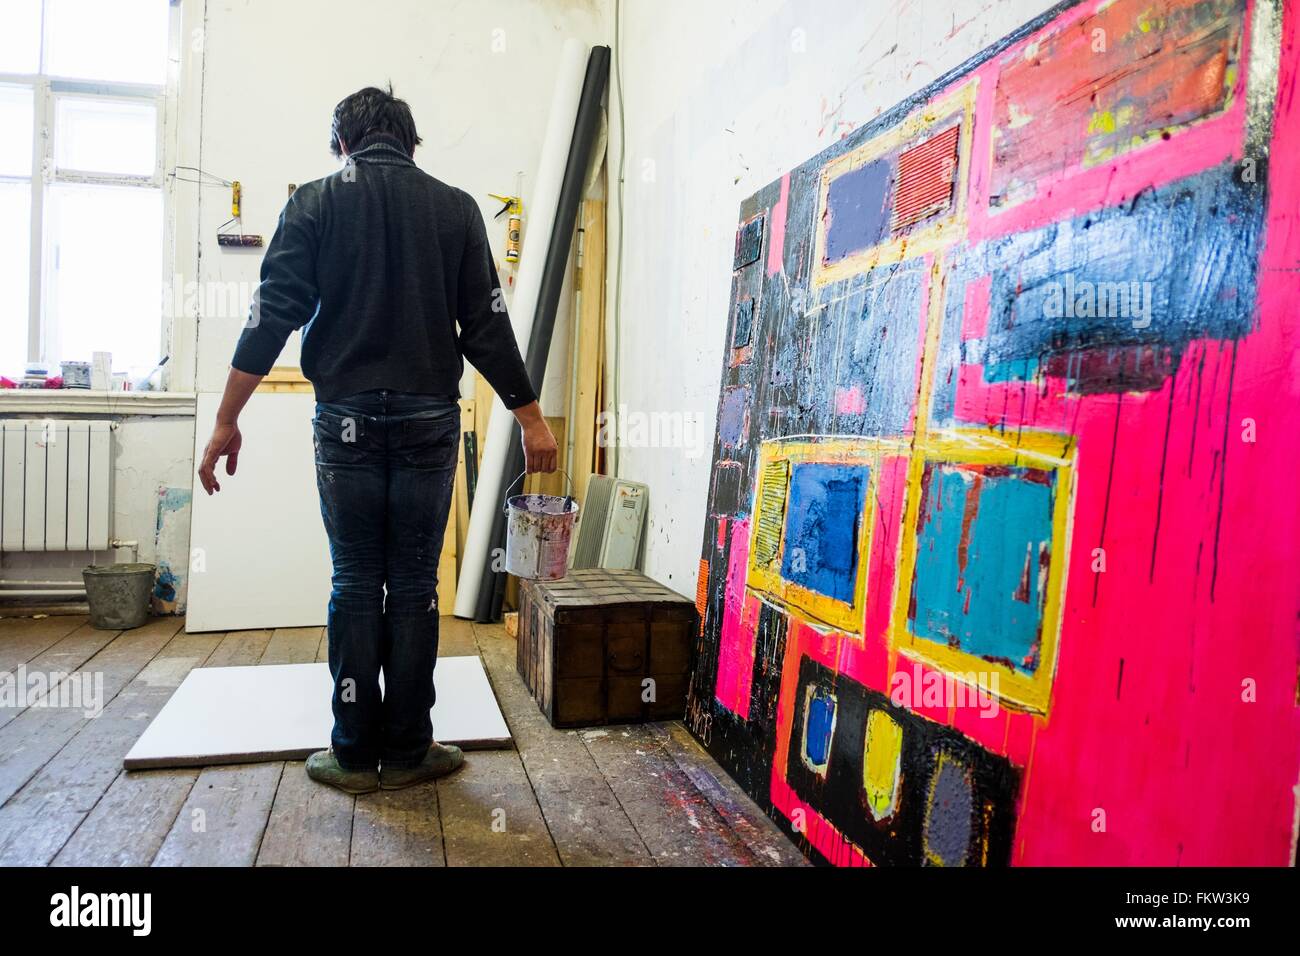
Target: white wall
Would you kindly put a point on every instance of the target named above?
(478, 75)
(714, 112)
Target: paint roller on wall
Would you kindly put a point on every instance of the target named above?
(545, 202)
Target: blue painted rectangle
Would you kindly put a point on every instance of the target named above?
(822, 520)
(733, 417)
(857, 210)
(819, 726)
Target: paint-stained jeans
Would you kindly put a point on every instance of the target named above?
(384, 468)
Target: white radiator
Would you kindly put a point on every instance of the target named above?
(55, 477)
(610, 524)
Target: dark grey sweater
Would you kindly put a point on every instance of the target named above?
(388, 272)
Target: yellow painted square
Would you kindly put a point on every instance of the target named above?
(764, 575)
(882, 764)
(943, 231)
(1047, 451)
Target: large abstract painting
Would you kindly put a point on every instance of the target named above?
(1000, 561)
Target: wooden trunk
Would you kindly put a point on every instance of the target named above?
(589, 643)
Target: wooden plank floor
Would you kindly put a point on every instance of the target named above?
(642, 795)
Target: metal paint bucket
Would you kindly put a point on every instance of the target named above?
(539, 529)
(118, 594)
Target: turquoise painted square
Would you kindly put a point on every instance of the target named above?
(983, 551)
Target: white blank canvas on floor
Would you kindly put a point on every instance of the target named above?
(282, 712)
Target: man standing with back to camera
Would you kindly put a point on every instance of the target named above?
(388, 273)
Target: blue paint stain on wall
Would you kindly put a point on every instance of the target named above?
(172, 499)
(823, 514)
(818, 727)
(983, 541)
(858, 205)
(166, 584)
(170, 531)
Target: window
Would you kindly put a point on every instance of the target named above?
(82, 95)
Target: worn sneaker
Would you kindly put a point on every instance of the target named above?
(323, 767)
(441, 760)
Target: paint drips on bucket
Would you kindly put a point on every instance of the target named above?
(539, 531)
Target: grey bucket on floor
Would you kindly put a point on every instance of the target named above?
(118, 594)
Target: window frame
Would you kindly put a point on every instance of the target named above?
(47, 90)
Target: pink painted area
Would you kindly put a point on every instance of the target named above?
(776, 229)
(891, 500)
(850, 401)
(975, 316)
(996, 404)
(1168, 748)
(1187, 771)
(1156, 746)
(739, 625)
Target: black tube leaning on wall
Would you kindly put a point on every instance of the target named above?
(492, 588)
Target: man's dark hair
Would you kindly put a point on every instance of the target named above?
(372, 111)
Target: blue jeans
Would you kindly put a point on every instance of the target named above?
(385, 462)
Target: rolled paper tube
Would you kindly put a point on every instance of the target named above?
(544, 203)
